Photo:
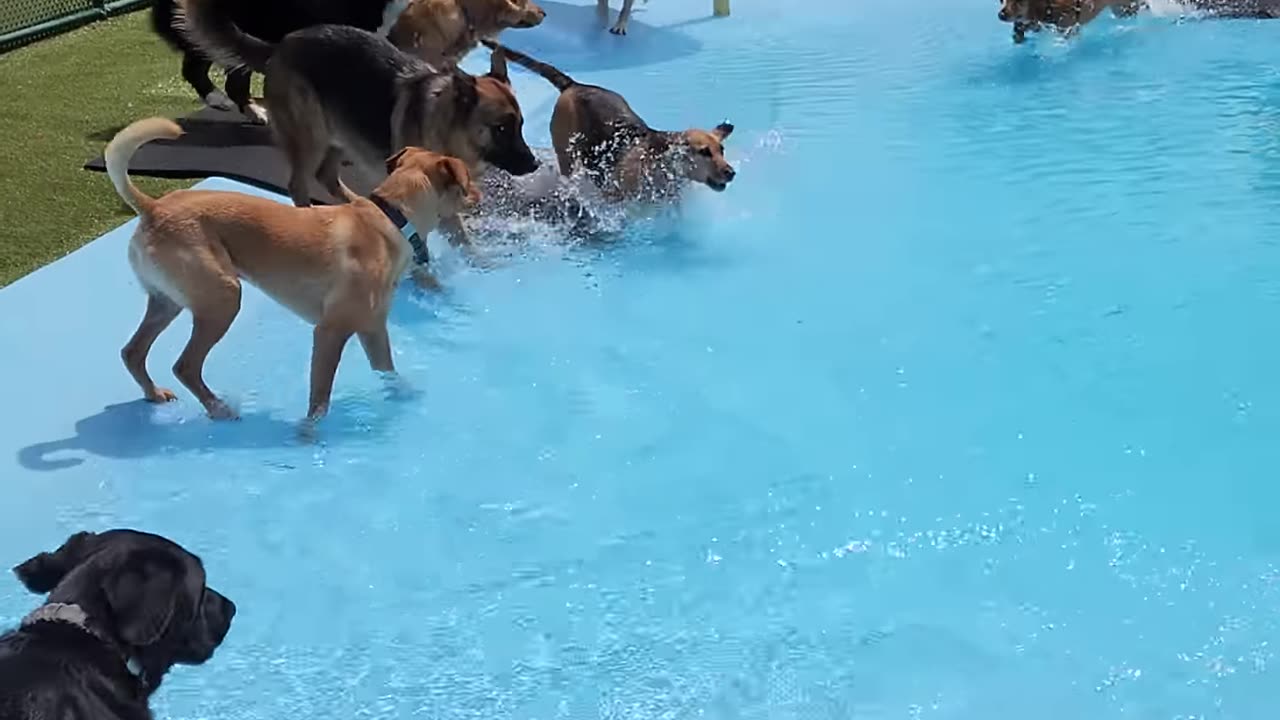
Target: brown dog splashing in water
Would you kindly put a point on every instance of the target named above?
(594, 128)
(1065, 15)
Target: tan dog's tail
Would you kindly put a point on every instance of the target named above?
(207, 24)
(555, 77)
(121, 149)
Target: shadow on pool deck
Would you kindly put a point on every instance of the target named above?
(130, 430)
(572, 38)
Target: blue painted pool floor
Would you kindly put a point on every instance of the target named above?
(960, 403)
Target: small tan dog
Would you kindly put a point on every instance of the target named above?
(441, 32)
(336, 266)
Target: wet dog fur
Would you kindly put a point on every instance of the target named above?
(335, 267)
(1070, 15)
(595, 129)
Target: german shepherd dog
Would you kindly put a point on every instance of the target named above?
(337, 93)
(438, 31)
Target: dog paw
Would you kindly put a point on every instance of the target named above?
(425, 280)
(219, 410)
(618, 30)
(256, 113)
(161, 395)
(218, 100)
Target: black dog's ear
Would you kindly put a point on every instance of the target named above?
(143, 597)
(394, 161)
(723, 130)
(42, 573)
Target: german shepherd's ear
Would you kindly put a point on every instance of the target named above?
(42, 573)
(393, 162)
(498, 66)
(723, 130)
(465, 94)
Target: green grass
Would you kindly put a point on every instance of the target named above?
(61, 100)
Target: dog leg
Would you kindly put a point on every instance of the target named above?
(329, 172)
(306, 163)
(453, 229)
(326, 353)
(195, 70)
(238, 83)
(161, 312)
(602, 11)
(624, 18)
(377, 347)
(209, 324)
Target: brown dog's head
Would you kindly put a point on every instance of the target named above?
(1026, 15)
(706, 163)
(422, 180)
(141, 593)
(515, 13)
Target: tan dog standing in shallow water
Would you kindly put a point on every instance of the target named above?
(441, 32)
(336, 267)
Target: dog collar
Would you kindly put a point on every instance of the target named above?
(71, 614)
(406, 228)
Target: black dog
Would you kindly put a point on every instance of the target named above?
(123, 608)
(196, 66)
(268, 20)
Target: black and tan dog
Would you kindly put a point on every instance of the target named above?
(594, 128)
(338, 93)
(1070, 15)
(124, 607)
(438, 31)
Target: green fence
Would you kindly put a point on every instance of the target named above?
(24, 21)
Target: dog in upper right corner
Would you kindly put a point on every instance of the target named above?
(624, 16)
(1068, 16)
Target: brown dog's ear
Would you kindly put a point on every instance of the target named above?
(498, 67)
(42, 573)
(143, 597)
(723, 130)
(393, 162)
(460, 175)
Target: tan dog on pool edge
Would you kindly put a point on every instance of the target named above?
(335, 266)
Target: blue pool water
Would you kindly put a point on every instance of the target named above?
(962, 402)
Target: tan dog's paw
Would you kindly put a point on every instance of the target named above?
(619, 29)
(219, 410)
(161, 395)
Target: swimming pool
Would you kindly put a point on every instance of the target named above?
(960, 403)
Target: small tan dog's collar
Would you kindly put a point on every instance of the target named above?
(406, 228)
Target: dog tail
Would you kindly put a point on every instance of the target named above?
(121, 149)
(207, 24)
(555, 77)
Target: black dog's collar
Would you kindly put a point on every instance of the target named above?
(74, 615)
(406, 228)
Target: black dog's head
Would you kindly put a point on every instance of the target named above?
(140, 591)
